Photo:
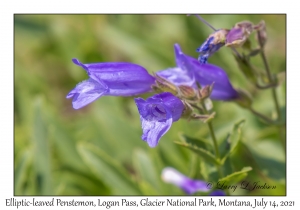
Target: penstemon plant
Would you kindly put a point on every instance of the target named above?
(188, 91)
(157, 105)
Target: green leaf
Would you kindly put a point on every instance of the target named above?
(66, 146)
(84, 184)
(236, 176)
(233, 139)
(147, 174)
(41, 151)
(147, 188)
(105, 167)
(203, 153)
(199, 142)
(271, 161)
(21, 170)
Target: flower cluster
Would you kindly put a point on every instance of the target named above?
(174, 86)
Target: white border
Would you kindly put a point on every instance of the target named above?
(8, 8)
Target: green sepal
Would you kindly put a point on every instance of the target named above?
(203, 118)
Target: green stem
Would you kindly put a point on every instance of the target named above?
(212, 133)
(262, 87)
(265, 118)
(263, 56)
(274, 95)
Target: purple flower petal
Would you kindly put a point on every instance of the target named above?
(238, 35)
(122, 79)
(190, 186)
(182, 74)
(86, 92)
(157, 114)
(206, 74)
(176, 76)
(235, 34)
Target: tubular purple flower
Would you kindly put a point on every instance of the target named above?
(157, 114)
(112, 78)
(206, 74)
(189, 71)
(189, 186)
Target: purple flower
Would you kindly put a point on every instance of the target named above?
(189, 186)
(113, 78)
(206, 74)
(182, 74)
(189, 70)
(212, 44)
(157, 114)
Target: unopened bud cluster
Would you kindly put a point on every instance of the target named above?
(235, 37)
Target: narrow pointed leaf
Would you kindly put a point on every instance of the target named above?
(203, 153)
(199, 142)
(42, 164)
(236, 176)
(148, 177)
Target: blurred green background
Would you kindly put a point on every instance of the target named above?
(97, 150)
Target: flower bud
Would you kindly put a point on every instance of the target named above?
(238, 35)
(261, 35)
(187, 92)
(206, 91)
